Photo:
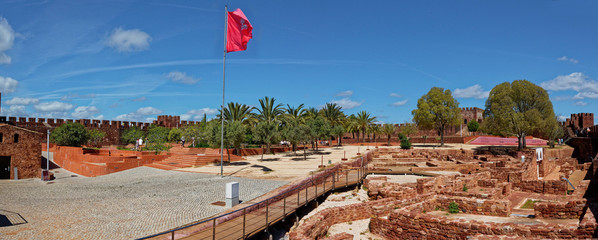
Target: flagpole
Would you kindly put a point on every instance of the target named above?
(222, 106)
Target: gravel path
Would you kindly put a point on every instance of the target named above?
(124, 205)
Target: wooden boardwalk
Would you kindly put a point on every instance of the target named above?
(253, 219)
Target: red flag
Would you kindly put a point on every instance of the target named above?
(238, 32)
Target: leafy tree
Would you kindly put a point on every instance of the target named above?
(235, 135)
(437, 110)
(473, 126)
(517, 109)
(364, 119)
(157, 134)
(71, 134)
(175, 135)
(320, 129)
(333, 114)
(196, 133)
(296, 133)
(266, 133)
(95, 137)
(338, 131)
(553, 130)
(389, 130)
(131, 134)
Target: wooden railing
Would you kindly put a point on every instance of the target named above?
(252, 219)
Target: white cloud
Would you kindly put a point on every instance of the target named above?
(561, 118)
(197, 114)
(181, 77)
(15, 110)
(139, 115)
(148, 111)
(580, 103)
(8, 85)
(395, 95)
(133, 40)
(139, 99)
(7, 38)
(85, 112)
(583, 95)
(53, 107)
(575, 81)
(474, 91)
(565, 58)
(347, 103)
(399, 103)
(347, 93)
(22, 101)
(76, 95)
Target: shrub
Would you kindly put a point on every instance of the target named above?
(453, 207)
(405, 144)
(70, 134)
(465, 188)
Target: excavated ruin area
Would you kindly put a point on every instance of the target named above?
(454, 193)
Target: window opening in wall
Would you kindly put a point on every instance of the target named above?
(1, 137)
(16, 138)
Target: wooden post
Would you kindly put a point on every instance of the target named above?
(244, 214)
(214, 229)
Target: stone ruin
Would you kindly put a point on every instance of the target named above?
(488, 186)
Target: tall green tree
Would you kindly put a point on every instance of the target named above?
(175, 135)
(71, 134)
(388, 130)
(295, 115)
(157, 134)
(95, 137)
(269, 111)
(238, 112)
(295, 133)
(320, 129)
(352, 126)
(364, 119)
(338, 131)
(437, 110)
(266, 133)
(517, 109)
(235, 135)
(131, 134)
(473, 126)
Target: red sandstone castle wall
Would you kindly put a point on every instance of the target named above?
(25, 154)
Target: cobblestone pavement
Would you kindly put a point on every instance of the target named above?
(124, 205)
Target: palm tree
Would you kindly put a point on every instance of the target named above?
(352, 126)
(375, 129)
(236, 112)
(389, 130)
(364, 119)
(311, 113)
(295, 114)
(334, 114)
(268, 111)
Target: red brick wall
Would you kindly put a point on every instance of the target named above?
(25, 154)
(73, 159)
(405, 224)
(560, 210)
(543, 186)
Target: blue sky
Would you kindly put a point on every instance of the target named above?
(134, 60)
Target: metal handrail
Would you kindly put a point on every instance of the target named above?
(282, 195)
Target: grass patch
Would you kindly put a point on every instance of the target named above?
(529, 204)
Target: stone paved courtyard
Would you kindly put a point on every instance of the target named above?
(124, 205)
